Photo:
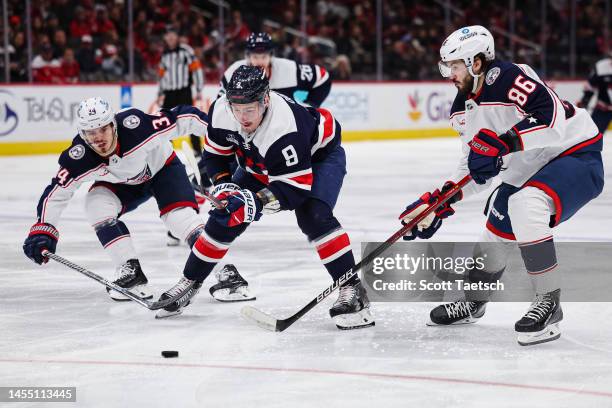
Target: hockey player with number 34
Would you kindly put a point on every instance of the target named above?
(547, 154)
(290, 158)
(130, 159)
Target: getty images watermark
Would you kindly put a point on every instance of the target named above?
(443, 271)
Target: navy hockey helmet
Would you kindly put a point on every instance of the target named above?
(259, 43)
(248, 84)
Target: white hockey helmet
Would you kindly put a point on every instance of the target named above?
(94, 113)
(464, 44)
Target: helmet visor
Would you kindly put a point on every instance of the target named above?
(445, 70)
(448, 68)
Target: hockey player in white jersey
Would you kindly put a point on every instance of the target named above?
(290, 158)
(285, 76)
(547, 154)
(130, 159)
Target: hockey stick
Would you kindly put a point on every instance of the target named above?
(269, 322)
(141, 301)
(191, 160)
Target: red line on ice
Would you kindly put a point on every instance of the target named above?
(317, 371)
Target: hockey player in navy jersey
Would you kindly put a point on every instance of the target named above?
(130, 159)
(547, 154)
(600, 82)
(290, 159)
(285, 76)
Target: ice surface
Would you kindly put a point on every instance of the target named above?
(58, 328)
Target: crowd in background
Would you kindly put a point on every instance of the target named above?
(87, 40)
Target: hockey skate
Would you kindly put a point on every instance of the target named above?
(541, 322)
(231, 287)
(188, 287)
(131, 277)
(459, 312)
(171, 240)
(352, 309)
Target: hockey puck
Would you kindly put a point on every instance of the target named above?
(169, 353)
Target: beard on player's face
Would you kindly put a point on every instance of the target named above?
(466, 85)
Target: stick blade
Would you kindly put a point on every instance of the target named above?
(263, 320)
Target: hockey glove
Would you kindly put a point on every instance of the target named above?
(42, 236)
(242, 207)
(430, 224)
(486, 152)
(221, 191)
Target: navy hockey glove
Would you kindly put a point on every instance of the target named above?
(486, 152)
(430, 224)
(42, 236)
(242, 207)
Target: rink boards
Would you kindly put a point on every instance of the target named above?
(40, 119)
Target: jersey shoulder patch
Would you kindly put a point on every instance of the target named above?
(129, 118)
(79, 158)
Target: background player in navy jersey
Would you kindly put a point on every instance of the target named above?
(600, 81)
(130, 159)
(547, 154)
(290, 158)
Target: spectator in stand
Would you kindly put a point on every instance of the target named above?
(69, 67)
(81, 25)
(112, 64)
(341, 70)
(19, 59)
(59, 44)
(45, 68)
(102, 23)
(89, 59)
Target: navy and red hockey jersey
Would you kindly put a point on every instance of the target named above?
(280, 152)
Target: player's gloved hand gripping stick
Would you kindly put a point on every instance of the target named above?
(268, 322)
(231, 201)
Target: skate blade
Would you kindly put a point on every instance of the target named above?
(350, 321)
(162, 314)
(467, 320)
(550, 333)
(140, 290)
(241, 294)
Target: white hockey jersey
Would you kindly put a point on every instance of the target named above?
(143, 149)
(513, 96)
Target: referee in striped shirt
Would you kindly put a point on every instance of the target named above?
(179, 69)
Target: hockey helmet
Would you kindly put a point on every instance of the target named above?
(94, 113)
(259, 43)
(248, 84)
(465, 44)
